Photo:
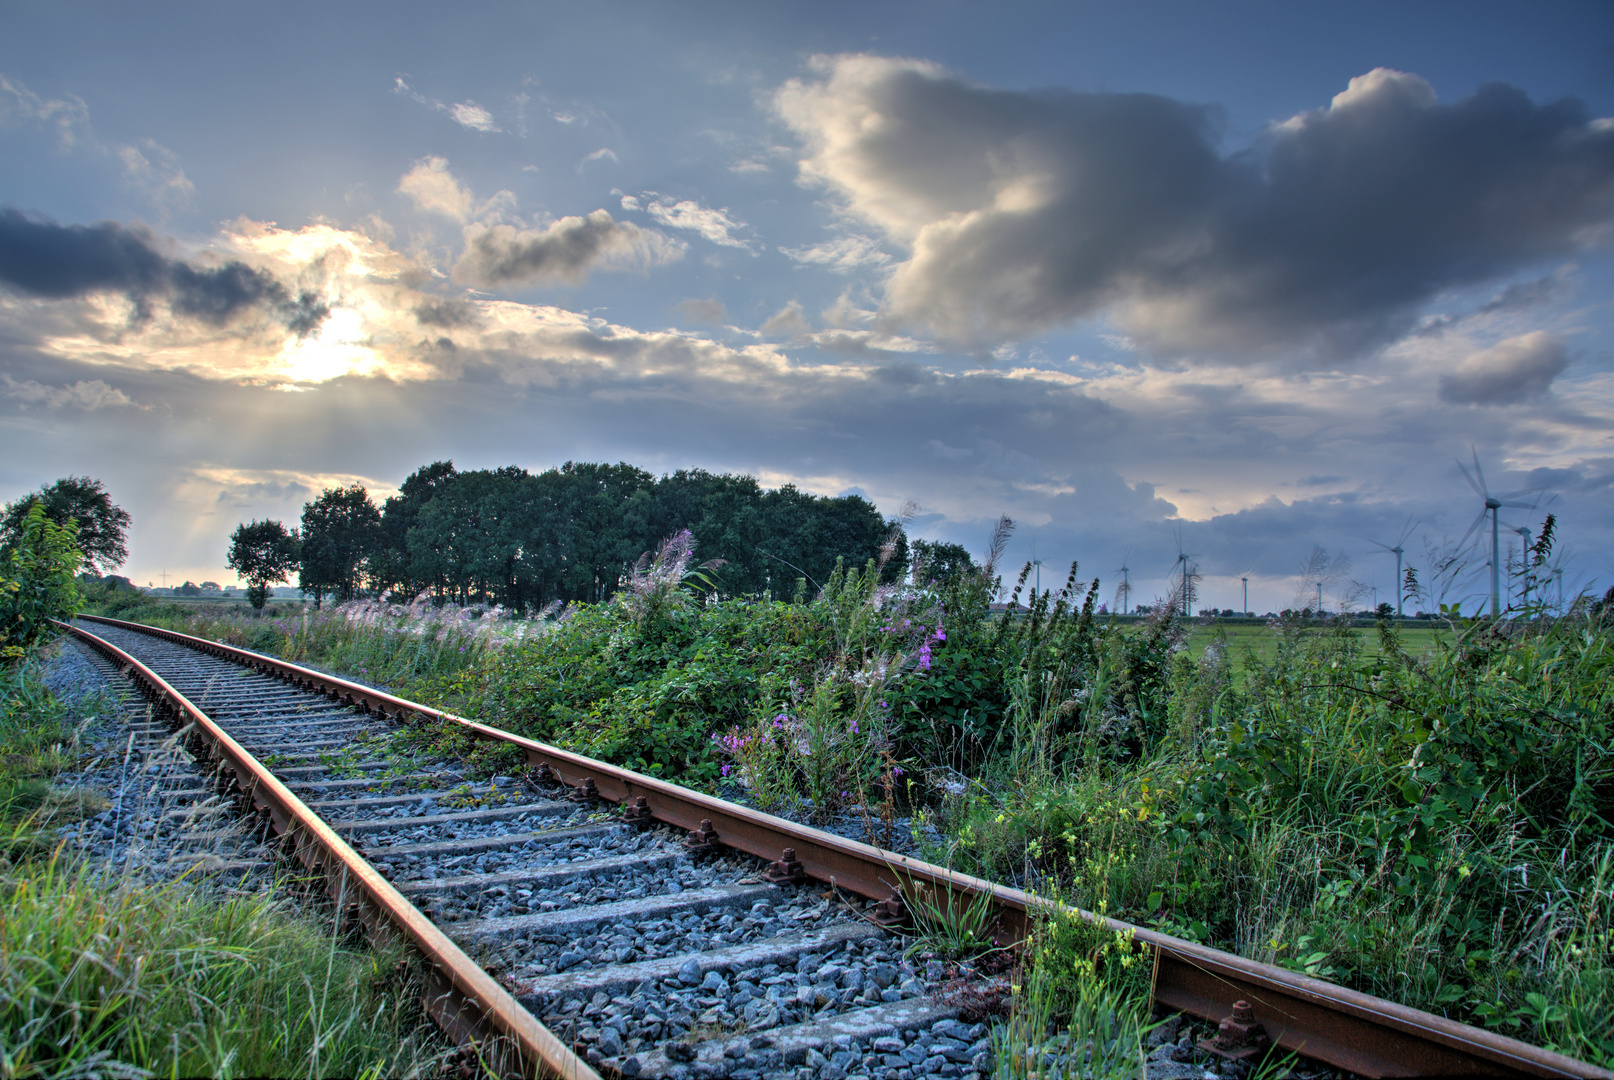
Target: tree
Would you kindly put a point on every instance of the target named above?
(102, 525)
(392, 566)
(341, 531)
(940, 562)
(262, 552)
(36, 580)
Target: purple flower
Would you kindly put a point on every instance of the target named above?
(727, 768)
(896, 770)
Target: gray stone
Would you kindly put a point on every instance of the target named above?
(610, 1042)
(689, 973)
(888, 1044)
(714, 981)
(814, 1060)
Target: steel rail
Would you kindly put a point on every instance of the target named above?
(461, 997)
(1357, 1032)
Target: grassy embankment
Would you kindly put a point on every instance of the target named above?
(103, 975)
(1427, 820)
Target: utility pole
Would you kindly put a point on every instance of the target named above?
(1246, 608)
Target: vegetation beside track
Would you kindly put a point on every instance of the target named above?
(1427, 821)
(102, 974)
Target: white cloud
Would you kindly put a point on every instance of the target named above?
(715, 225)
(843, 255)
(433, 189)
(156, 169)
(86, 394)
(471, 115)
(788, 321)
(711, 310)
(1515, 370)
(70, 115)
(604, 153)
(467, 114)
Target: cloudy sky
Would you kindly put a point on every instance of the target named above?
(1251, 275)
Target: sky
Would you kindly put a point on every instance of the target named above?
(1227, 279)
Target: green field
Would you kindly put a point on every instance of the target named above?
(1253, 637)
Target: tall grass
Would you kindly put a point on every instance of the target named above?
(1430, 828)
(126, 981)
(396, 646)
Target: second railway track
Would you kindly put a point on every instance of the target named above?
(671, 934)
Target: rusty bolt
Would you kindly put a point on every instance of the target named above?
(638, 813)
(787, 869)
(585, 791)
(543, 774)
(703, 839)
(892, 911)
(1238, 1037)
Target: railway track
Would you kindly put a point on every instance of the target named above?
(580, 919)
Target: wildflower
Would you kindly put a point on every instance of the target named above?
(727, 768)
(896, 770)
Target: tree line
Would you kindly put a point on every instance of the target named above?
(523, 540)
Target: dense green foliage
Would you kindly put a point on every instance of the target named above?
(36, 580)
(523, 540)
(81, 501)
(340, 530)
(263, 552)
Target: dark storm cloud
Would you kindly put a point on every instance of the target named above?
(1515, 370)
(41, 258)
(568, 250)
(1026, 210)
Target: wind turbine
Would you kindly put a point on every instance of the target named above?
(1183, 558)
(1124, 590)
(1398, 551)
(1525, 536)
(1493, 503)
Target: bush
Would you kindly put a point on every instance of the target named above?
(36, 581)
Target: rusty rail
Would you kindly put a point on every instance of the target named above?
(461, 997)
(1353, 1031)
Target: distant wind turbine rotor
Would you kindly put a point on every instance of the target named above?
(1493, 503)
(1398, 551)
(1123, 592)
